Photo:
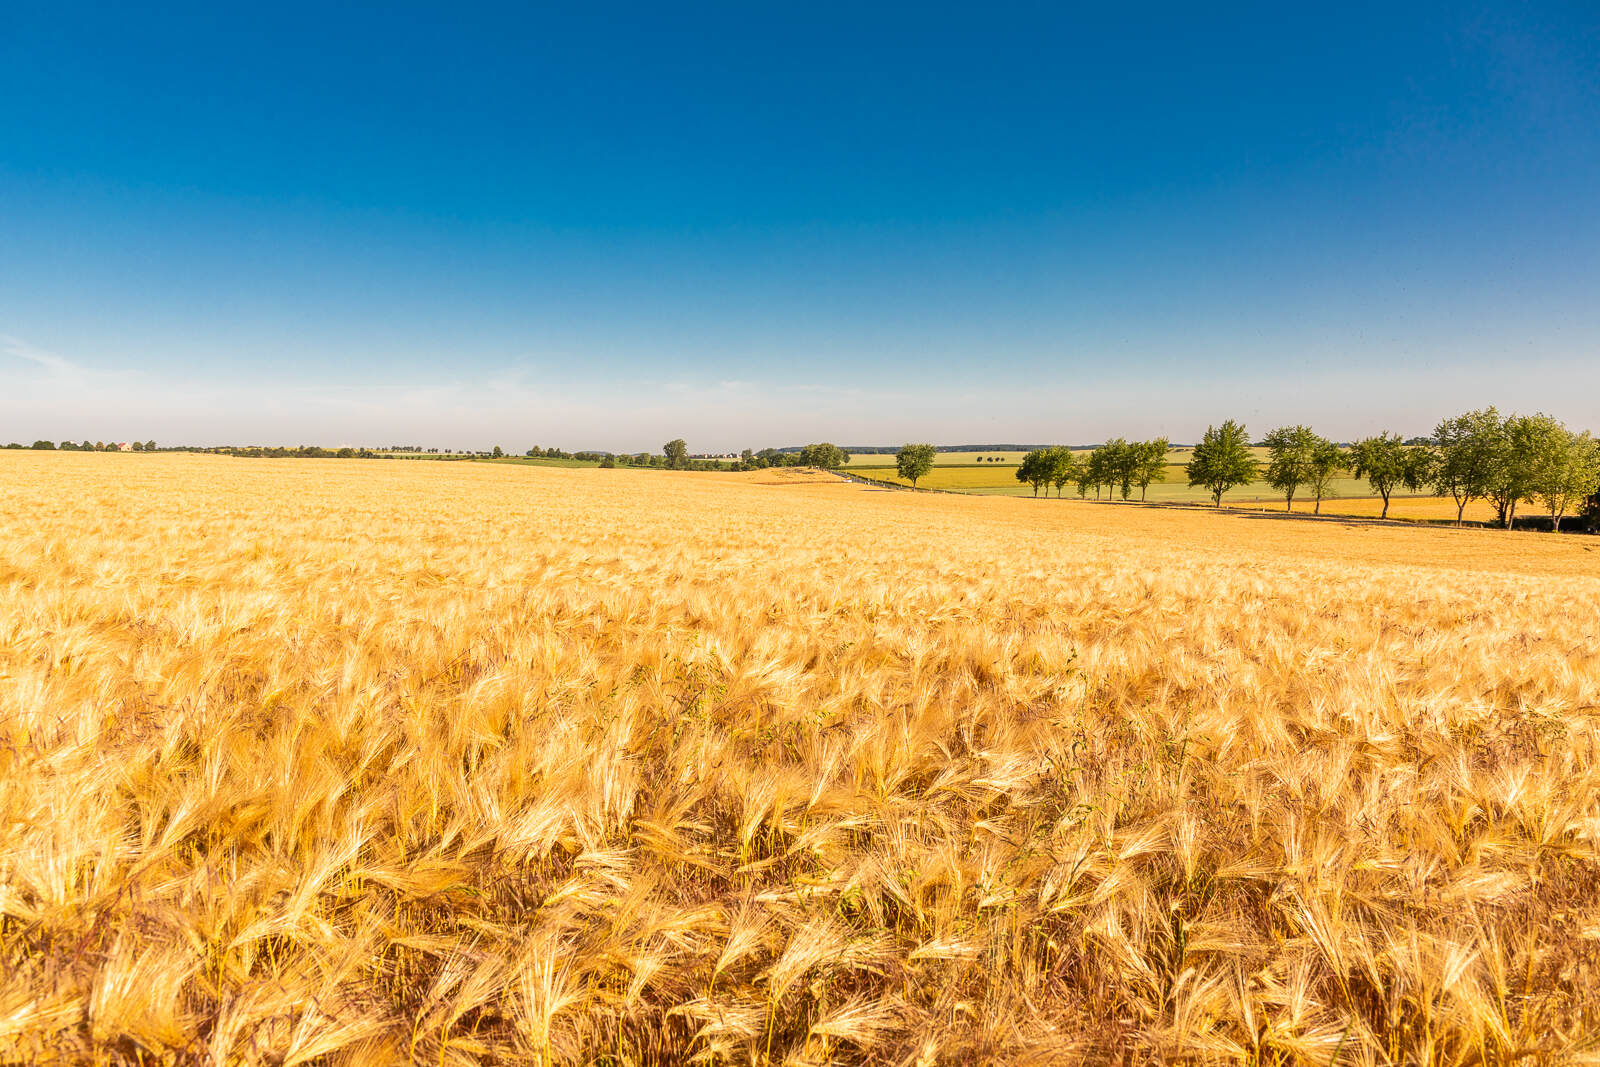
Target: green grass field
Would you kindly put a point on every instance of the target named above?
(958, 472)
(529, 461)
(942, 459)
(963, 473)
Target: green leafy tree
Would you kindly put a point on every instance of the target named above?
(1150, 463)
(1565, 467)
(1289, 453)
(1591, 510)
(608, 462)
(1035, 469)
(1467, 448)
(1125, 466)
(1421, 459)
(676, 451)
(45, 446)
(825, 455)
(1222, 460)
(1083, 477)
(1327, 463)
(149, 446)
(1388, 464)
(498, 452)
(1063, 467)
(914, 461)
(1102, 472)
(1116, 466)
(1512, 481)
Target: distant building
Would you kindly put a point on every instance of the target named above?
(124, 446)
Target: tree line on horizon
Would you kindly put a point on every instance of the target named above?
(674, 455)
(85, 446)
(1481, 455)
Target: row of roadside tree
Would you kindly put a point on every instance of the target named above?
(1117, 464)
(1506, 460)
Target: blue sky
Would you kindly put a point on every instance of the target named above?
(748, 225)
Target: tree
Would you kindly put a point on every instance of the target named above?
(1565, 467)
(149, 446)
(914, 461)
(497, 453)
(1113, 464)
(1120, 462)
(676, 451)
(1512, 480)
(1289, 450)
(1387, 464)
(1222, 460)
(1150, 463)
(1327, 463)
(607, 462)
(45, 446)
(825, 455)
(1035, 469)
(1083, 478)
(1100, 469)
(1063, 467)
(1466, 448)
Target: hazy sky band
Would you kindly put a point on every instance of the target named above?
(592, 229)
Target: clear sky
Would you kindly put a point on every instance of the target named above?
(594, 225)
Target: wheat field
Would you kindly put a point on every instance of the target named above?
(357, 762)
